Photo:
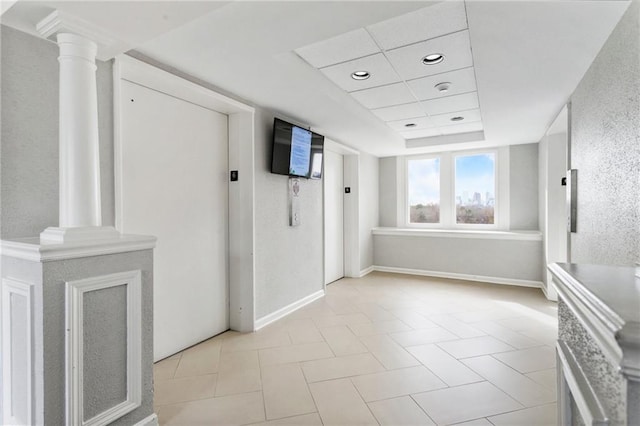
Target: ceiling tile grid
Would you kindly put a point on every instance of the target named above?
(343, 48)
(469, 116)
(451, 103)
(414, 124)
(424, 24)
(425, 88)
(412, 96)
(382, 96)
(382, 73)
(456, 49)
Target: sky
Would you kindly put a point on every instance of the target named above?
(474, 173)
(424, 181)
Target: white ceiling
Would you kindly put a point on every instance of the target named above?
(528, 58)
(400, 89)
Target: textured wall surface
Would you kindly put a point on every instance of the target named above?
(368, 211)
(55, 276)
(289, 260)
(104, 355)
(605, 149)
(603, 377)
(523, 186)
(388, 194)
(460, 256)
(29, 149)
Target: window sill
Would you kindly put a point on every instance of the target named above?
(460, 233)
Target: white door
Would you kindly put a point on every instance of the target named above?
(174, 186)
(333, 216)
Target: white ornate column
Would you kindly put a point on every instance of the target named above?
(80, 208)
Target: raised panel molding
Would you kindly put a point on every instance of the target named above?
(11, 393)
(75, 291)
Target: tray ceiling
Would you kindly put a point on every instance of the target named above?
(415, 99)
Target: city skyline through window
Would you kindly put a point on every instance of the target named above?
(475, 184)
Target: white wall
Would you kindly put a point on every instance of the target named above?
(289, 260)
(523, 186)
(368, 207)
(494, 260)
(510, 260)
(552, 154)
(388, 191)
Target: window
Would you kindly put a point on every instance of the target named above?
(452, 190)
(475, 184)
(424, 190)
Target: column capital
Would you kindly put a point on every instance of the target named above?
(58, 23)
(73, 46)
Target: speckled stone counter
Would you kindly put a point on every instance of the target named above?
(598, 344)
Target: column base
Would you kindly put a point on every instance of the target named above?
(85, 233)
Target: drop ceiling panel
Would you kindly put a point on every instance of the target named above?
(345, 47)
(461, 102)
(461, 128)
(422, 133)
(420, 123)
(381, 73)
(462, 81)
(400, 112)
(456, 49)
(401, 89)
(378, 97)
(470, 116)
(424, 24)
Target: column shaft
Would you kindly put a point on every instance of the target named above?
(79, 148)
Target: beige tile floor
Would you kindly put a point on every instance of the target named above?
(384, 349)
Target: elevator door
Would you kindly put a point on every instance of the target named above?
(174, 186)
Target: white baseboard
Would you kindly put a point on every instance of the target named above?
(455, 276)
(548, 294)
(283, 312)
(151, 420)
(366, 271)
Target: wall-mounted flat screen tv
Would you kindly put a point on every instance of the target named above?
(296, 151)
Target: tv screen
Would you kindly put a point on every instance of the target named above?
(317, 149)
(296, 151)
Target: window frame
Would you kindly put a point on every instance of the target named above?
(447, 190)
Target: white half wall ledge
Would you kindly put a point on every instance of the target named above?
(464, 277)
(33, 250)
(283, 312)
(460, 233)
(84, 233)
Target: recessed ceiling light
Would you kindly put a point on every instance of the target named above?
(443, 87)
(432, 59)
(410, 125)
(458, 118)
(360, 75)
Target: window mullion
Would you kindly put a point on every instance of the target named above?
(447, 209)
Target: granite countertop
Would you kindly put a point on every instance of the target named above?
(606, 299)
